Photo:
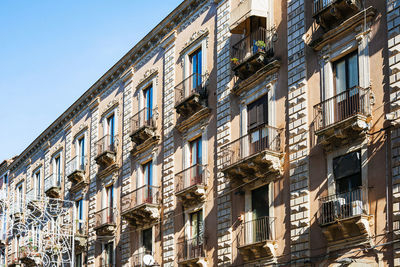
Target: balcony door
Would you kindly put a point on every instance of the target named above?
(57, 171)
(110, 203)
(79, 215)
(147, 192)
(346, 85)
(196, 68)
(257, 118)
(147, 241)
(148, 102)
(258, 229)
(110, 131)
(81, 153)
(37, 183)
(109, 254)
(195, 161)
(195, 242)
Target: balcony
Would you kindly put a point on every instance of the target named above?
(254, 155)
(143, 126)
(106, 151)
(81, 234)
(191, 184)
(105, 222)
(141, 206)
(343, 218)
(252, 53)
(343, 118)
(75, 170)
(330, 13)
(191, 95)
(191, 252)
(52, 185)
(245, 10)
(137, 259)
(255, 239)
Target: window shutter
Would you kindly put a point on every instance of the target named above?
(258, 113)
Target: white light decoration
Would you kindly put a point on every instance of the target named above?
(44, 226)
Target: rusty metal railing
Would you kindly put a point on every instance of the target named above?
(255, 231)
(145, 194)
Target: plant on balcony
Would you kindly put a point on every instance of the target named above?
(235, 61)
(260, 45)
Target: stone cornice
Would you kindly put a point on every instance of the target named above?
(138, 52)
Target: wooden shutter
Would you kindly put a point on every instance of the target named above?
(258, 113)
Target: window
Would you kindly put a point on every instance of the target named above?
(57, 169)
(78, 260)
(257, 117)
(19, 196)
(109, 204)
(260, 202)
(148, 173)
(257, 113)
(196, 224)
(196, 66)
(347, 172)
(109, 254)
(81, 153)
(148, 102)
(37, 183)
(346, 73)
(147, 240)
(195, 160)
(110, 129)
(79, 215)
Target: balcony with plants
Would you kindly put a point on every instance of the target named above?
(252, 52)
(256, 155)
(141, 206)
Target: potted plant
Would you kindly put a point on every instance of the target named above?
(235, 61)
(260, 45)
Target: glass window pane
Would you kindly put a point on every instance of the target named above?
(340, 77)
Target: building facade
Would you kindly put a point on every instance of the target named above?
(235, 133)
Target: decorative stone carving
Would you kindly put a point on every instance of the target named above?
(147, 76)
(194, 38)
(111, 105)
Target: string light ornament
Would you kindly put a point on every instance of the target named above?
(44, 228)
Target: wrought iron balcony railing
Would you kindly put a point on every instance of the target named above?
(106, 143)
(255, 231)
(264, 138)
(144, 118)
(53, 181)
(190, 86)
(341, 206)
(105, 216)
(355, 101)
(259, 40)
(77, 163)
(146, 194)
(191, 248)
(194, 175)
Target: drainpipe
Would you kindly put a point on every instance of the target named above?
(387, 179)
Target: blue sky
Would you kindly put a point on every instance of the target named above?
(51, 52)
